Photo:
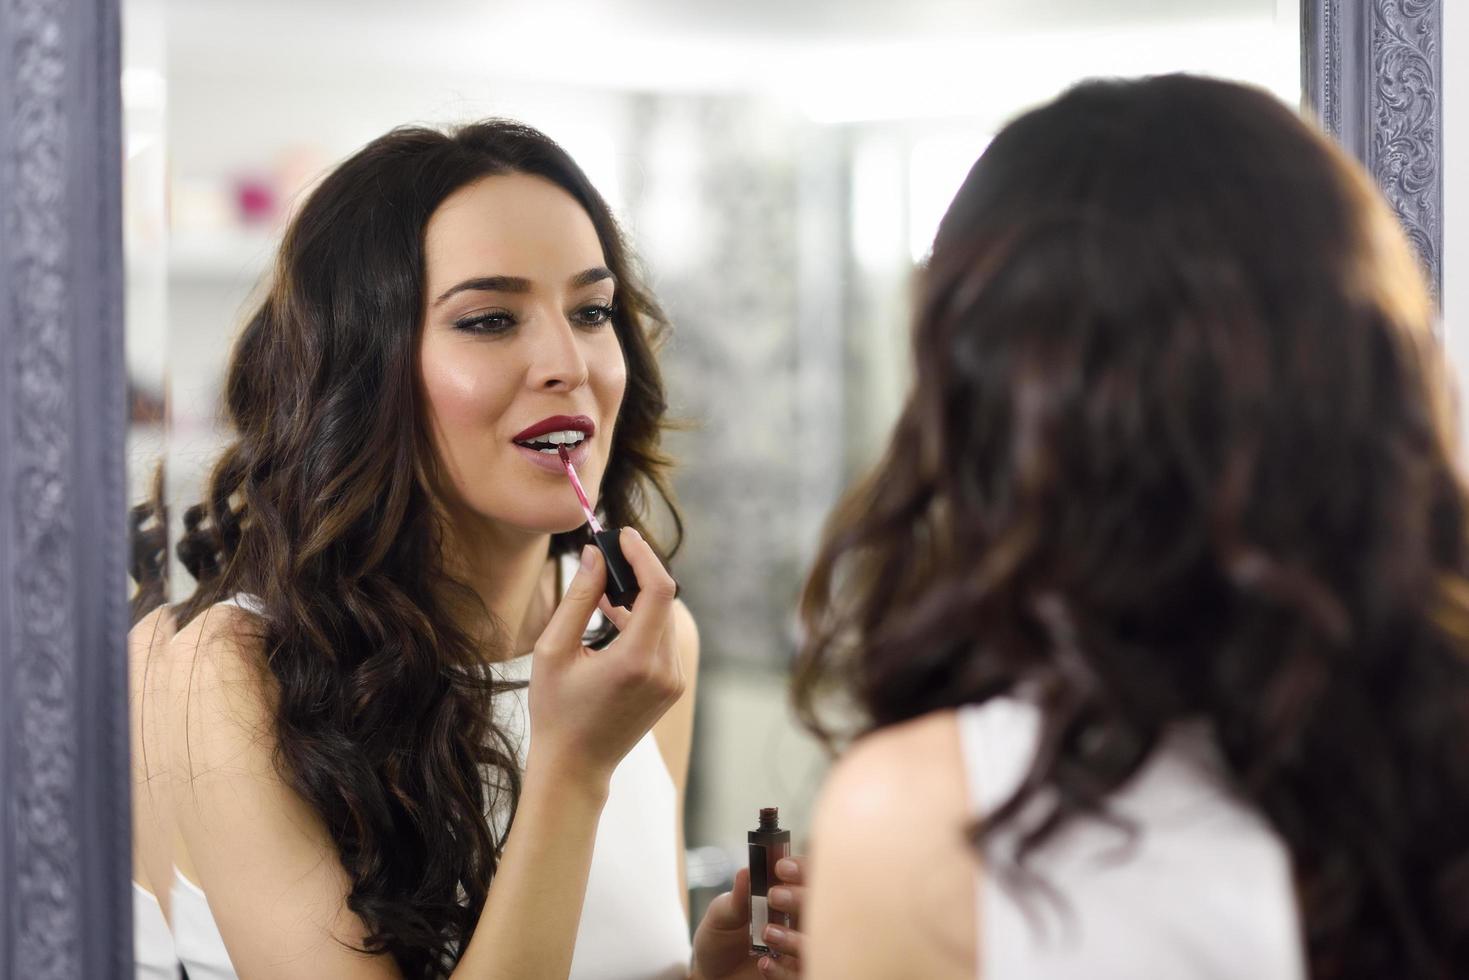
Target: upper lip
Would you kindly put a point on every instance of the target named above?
(558, 423)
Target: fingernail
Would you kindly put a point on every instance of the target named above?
(787, 869)
(775, 934)
(764, 964)
(588, 557)
(780, 897)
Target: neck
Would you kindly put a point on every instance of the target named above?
(508, 569)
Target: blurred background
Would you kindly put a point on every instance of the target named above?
(780, 168)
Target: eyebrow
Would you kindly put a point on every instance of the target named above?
(515, 284)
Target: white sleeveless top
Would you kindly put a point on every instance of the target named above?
(1204, 892)
(153, 954)
(633, 925)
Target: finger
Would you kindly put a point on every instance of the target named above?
(569, 622)
(780, 969)
(656, 590)
(787, 899)
(740, 892)
(785, 941)
(730, 912)
(616, 614)
(791, 870)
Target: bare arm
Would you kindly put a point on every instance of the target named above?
(276, 888)
(278, 891)
(147, 717)
(675, 731)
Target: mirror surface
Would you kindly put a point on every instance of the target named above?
(779, 169)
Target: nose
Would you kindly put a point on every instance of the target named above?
(558, 362)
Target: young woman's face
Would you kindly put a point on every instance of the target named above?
(517, 339)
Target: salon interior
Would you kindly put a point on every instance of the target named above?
(779, 170)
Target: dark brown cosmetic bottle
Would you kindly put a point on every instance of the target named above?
(768, 844)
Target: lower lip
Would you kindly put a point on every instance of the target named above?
(551, 462)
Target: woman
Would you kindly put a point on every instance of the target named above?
(387, 555)
(1157, 604)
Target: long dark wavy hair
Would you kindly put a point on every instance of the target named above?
(1179, 447)
(148, 549)
(323, 507)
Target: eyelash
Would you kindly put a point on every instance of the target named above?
(504, 321)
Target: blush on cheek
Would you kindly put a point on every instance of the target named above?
(458, 395)
(613, 388)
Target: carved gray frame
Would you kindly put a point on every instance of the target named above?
(64, 849)
(1373, 73)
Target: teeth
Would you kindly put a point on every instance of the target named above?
(566, 437)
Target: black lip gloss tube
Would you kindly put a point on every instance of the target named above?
(622, 584)
(768, 844)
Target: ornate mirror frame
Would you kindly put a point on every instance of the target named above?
(1373, 72)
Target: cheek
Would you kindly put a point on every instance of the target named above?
(459, 393)
(609, 379)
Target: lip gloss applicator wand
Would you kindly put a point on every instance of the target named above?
(622, 584)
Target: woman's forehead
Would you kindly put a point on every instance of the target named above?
(511, 225)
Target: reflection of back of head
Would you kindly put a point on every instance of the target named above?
(1178, 449)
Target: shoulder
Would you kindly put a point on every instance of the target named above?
(674, 732)
(894, 879)
(147, 647)
(147, 721)
(151, 633)
(223, 642)
(897, 777)
(148, 671)
(221, 688)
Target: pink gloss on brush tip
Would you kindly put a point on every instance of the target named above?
(581, 494)
(622, 584)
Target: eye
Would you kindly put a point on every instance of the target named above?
(595, 315)
(492, 322)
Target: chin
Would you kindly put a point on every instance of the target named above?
(566, 526)
(542, 522)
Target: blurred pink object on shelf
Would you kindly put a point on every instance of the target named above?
(256, 200)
